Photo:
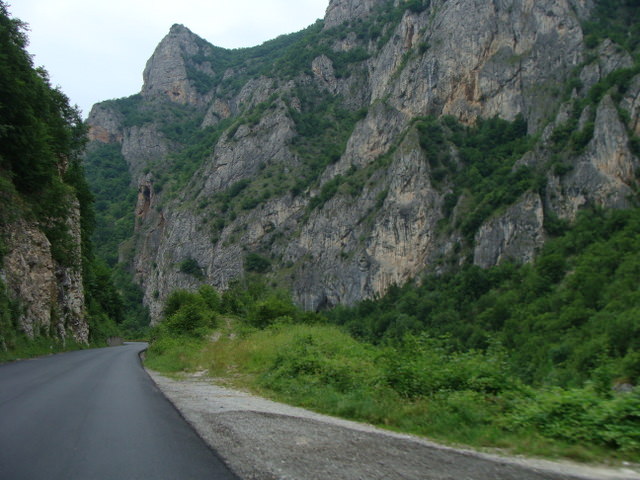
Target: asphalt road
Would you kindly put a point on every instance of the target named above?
(95, 414)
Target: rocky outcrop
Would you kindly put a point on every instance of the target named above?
(515, 235)
(342, 11)
(603, 175)
(166, 74)
(50, 296)
(105, 125)
(463, 58)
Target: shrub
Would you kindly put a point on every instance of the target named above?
(255, 262)
(190, 266)
(583, 416)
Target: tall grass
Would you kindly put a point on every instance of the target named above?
(420, 387)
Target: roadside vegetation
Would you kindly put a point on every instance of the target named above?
(537, 359)
(42, 179)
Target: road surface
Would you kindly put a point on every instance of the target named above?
(95, 414)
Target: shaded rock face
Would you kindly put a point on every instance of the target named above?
(105, 125)
(515, 235)
(604, 175)
(51, 296)
(166, 73)
(465, 58)
(341, 11)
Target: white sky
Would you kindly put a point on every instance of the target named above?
(96, 50)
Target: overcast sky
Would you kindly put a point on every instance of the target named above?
(96, 49)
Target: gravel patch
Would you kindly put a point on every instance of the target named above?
(264, 440)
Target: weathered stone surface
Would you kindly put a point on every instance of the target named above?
(142, 145)
(513, 236)
(341, 11)
(250, 146)
(466, 58)
(324, 73)
(51, 296)
(105, 124)
(604, 174)
(30, 275)
(166, 72)
(631, 103)
(610, 57)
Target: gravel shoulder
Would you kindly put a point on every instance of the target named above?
(264, 440)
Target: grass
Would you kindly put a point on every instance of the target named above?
(24, 347)
(322, 368)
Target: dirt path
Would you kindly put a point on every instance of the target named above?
(264, 440)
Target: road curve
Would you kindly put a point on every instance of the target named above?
(95, 414)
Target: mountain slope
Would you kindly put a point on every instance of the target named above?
(364, 150)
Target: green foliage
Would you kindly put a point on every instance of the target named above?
(188, 313)
(420, 383)
(22, 347)
(422, 366)
(567, 137)
(618, 20)
(254, 262)
(8, 319)
(108, 176)
(42, 178)
(583, 416)
(484, 169)
(190, 266)
(561, 320)
(273, 309)
(324, 125)
(104, 296)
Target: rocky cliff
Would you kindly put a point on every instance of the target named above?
(44, 201)
(49, 295)
(339, 156)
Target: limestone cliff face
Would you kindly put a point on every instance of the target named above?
(341, 11)
(166, 74)
(50, 296)
(463, 58)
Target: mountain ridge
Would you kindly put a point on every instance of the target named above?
(343, 157)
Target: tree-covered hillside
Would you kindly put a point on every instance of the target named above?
(42, 184)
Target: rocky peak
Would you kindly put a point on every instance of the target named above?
(342, 11)
(166, 72)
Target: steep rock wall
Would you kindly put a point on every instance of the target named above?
(464, 58)
(50, 296)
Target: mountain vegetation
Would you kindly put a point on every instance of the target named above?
(390, 216)
(535, 354)
(42, 140)
(515, 356)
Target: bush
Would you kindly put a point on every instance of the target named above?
(582, 416)
(255, 262)
(190, 266)
(189, 313)
(268, 311)
(423, 366)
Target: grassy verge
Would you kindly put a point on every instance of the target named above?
(24, 347)
(419, 387)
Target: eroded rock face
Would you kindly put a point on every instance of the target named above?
(341, 11)
(30, 275)
(105, 125)
(465, 58)
(166, 73)
(51, 296)
(515, 235)
(604, 175)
